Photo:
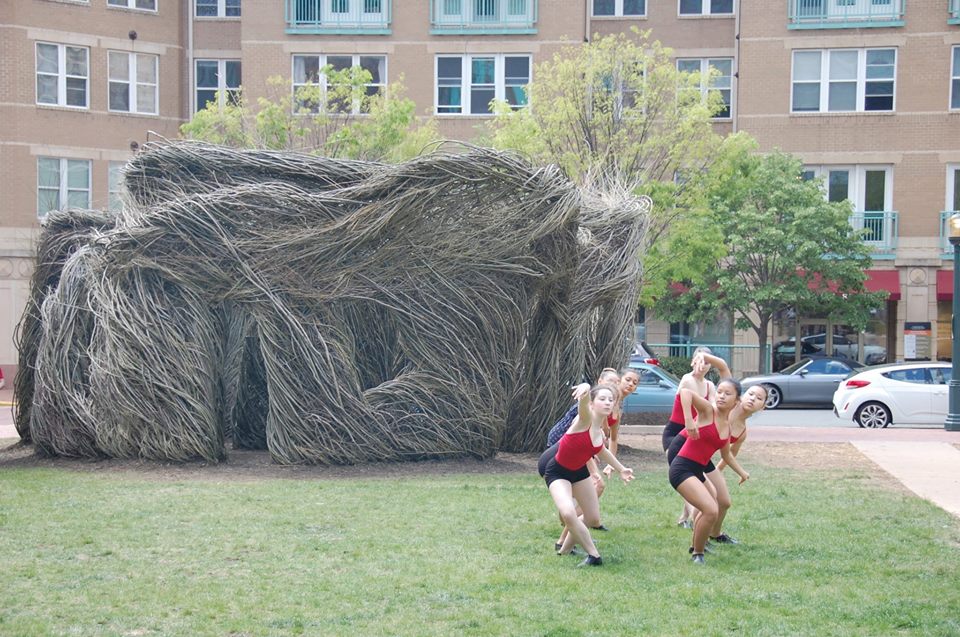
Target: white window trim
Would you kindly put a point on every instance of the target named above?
(499, 69)
(113, 194)
(132, 6)
(705, 84)
(858, 182)
(618, 11)
(61, 76)
(861, 80)
(355, 62)
(222, 87)
(134, 85)
(703, 3)
(63, 194)
(221, 12)
(954, 76)
(953, 180)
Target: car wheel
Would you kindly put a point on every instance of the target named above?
(873, 415)
(774, 397)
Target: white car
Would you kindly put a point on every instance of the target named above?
(907, 393)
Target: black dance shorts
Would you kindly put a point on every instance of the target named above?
(551, 470)
(682, 468)
(670, 431)
(673, 448)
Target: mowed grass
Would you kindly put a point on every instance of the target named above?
(124, 554)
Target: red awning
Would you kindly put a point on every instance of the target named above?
(944, 285)
(888, 280)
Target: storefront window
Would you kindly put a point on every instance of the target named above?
(944, 330)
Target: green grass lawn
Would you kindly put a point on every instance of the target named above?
(123, 554)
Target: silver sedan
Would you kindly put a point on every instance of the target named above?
(812, 381)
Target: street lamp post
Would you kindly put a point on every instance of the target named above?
(953, 416)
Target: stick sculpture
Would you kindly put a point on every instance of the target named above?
(329, 311)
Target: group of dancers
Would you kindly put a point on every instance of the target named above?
(706, 418)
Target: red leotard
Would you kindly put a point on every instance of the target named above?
(612, 420)
(677, 414)
(701, 449)
(576, 449)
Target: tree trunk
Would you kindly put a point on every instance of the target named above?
(761, 329)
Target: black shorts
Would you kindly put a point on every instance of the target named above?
(682, 468)
(551, 470)
(670, 431)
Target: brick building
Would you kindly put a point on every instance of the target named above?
(867, 92)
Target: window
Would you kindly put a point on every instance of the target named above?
(145, 5)
(217, 8)
(133, 82)
(706, 7)
(62, 75)
(619, 8)
(953, 187)
(466, 84)
(918, 376)
(843, 80)
(115, 186)
(216, 77)
(869, 188)
(716, 74)
(955, 79)
(307, 73)
(62, 183)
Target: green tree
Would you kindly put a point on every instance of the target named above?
(618, 108)
(341, 120)
(767, 241)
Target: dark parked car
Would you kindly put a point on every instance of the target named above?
(812, 381)
(643, 354)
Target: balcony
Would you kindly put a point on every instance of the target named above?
(846, 14)
(335, 17)
(483, 17)
(954, 12)
(878, 230)
(946, 250)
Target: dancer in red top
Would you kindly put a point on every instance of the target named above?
(564, 468)
(690, 452)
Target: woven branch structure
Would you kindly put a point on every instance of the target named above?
(329, 311)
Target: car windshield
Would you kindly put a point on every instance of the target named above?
(794, 367)
(664, 372)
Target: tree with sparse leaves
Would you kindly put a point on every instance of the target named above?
(767, 241)
(337, 118)
(618, 107)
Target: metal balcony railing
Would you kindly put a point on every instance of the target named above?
(879, 230)
(954, 9)
(946, 249)
(483, 17)
(338, 16)
(845, 14)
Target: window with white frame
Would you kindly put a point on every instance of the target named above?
(132, 82)
(308, 73)
(626, 8)
(62, 183)
(953, 187)
(63, 75)
(145, 5)
(115, 186)
(716, 74)
(843, 80)
(217, 8)
(216, 79)
(955, 79)
(706, 7)
(467, 84)
(868, 187)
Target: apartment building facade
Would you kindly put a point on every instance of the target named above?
(867, 92)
